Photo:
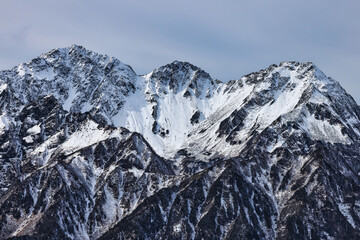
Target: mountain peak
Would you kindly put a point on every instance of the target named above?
(177, 67)
(64, 51)
(180, 75)
(302, 68)
(77, 77)
(77, 53)
(75, 46)
(177, 63)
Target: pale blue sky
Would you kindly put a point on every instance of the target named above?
(226, 38)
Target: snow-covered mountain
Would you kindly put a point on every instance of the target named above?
(89, 149)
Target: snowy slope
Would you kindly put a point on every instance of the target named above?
(284, 91)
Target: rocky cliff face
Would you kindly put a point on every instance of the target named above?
(90, 150)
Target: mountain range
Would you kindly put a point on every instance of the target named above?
(91, 150)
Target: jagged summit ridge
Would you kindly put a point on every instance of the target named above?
(89, 149)
(84, 81)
